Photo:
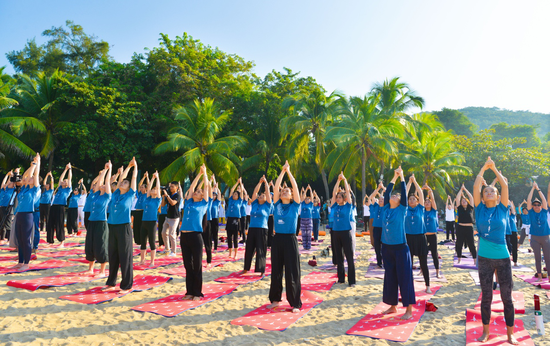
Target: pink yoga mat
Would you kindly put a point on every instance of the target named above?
(96, 295)
(56, 246)
(243, 279)
(319, 281)
(181, 269)
(49, 264)
(388, 327)
(465, 263)
(174, 305)
(374, 272)
(159, 262)
(55, 281)
(497, 328)
(534, 281)
(281, 317)
(14, 258)
(55, 254)
(497, 306)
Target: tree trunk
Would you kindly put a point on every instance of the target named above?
(325, 183)
(267, 162)
(363, 176)
(50, 161)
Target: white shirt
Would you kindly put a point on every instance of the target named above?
(366, 210)
(449, 214)
(82, 200)
(247, 208)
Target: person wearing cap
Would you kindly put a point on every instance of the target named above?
(525, 222)
(539, 230)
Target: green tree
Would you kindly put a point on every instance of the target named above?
(197, 141)
(456, 121)
(312, 113)
(396, 97)
(68, 50)
(529, 132)
(362, 131)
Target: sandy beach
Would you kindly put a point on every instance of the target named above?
(41, 318)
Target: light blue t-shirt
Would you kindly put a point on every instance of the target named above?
(491, 225)
(539, 222)
(285, 217)
(89, 201)
(98, 208)
(27, 198)
(214, 209)
(316, 212)
(307, 210)
(193, 214)
(341, 217)
(234, 207)
(121, 207)
(8, 193)
(393, 225)
(243, 208)
(259, 214)
(73, 201)
(46, 197)
(60, 198)
(140, 200)
(376, 214)
(209, 210)
(430, 220)
(150, 208)
(164, 210)
(512, 219)
(414, 220)
(525, 219)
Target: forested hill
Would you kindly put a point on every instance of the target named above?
(485, 117)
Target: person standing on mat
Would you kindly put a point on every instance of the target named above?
(395, 251)
(28, 196)
(450, 218)
(137, 212)
(492, 218)
(72, 211)
(306, 218)
(285, 256)
(525, 222)
(97, 230)
(465, 225)
(151, 205)
(196, 205)
(120, 231)
(7, 199)
(341, 227)
(171, 199)
(233, 219)
(256, 241)
(56, 222)
(215, 213)
(316, 216)
(513, 238)
(244, 227)
(430, 221)
(415, 229)
(376, 205)
(539, 230)
(206, 231)
(46, 201)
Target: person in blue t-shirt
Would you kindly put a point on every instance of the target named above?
(375, 221)
(150, 205)
(214, 212)
(316, 215)
(120, 231)
(415, 229)
(306, 217)
(96, 246)
(395, 251)
(72, 211)
(244, 226)
(7, 196)
(431, 221)
(56, 222)
(512, 238)
(24, 218)
(46, 200)
(137, 211)
(233, 225)
(196, 205)
(341, 240)
(539, 230)
(285, 256)
(493, 255)
(525, 222)
(257, 233)
(207, 221)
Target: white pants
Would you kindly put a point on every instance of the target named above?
(81, 215)
(353, 236)
(169, 233)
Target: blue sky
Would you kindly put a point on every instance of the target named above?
(453, 53)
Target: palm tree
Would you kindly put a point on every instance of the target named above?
(38, 110)
(196, 140)
(396, 97)
(8, 141)
(311, 114)
(429, 153)
(362, 132)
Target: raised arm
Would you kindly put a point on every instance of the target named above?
(255, 193)
(133, 183)
(420, 195)
(145, 176)
(6, 179)
(101, 179)
(107, 180)
(530, 197)
(36, 173)
(431, 195)
(234, 187)
(513, 207)
(189, 193)
(295, 190)
(470, 197)
(124, 174)
(504, 195)
(207, 192)
(348, 192)
(336, 189)
(543, 201)
(150, 183)
(277, 188)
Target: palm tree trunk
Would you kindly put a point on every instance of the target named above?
(325, 183)
(267, 162)
(363, 175)
(50, 161)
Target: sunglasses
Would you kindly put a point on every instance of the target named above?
(536, 205)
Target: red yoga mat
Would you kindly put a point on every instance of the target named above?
(80, 260)
(54, 281)
(281, 317)
(56, 246)
(390, 327)
(49, 264)
(243, 279)
(174, 305)
(14, 258)
(64, 253)
(159, 262)
(96, 295)
(319, 281)
(497, 306)
(180, 271)
(497, 328)
(545, 284)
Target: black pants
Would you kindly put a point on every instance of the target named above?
(285, 258)
(191, 251)
(486, 268)
(136, 225)
(44, 216)
(72, 220)
(432, 245)
(56, 224)
(5, 231)
(232, 228)
(465, 235)
(269, 230)
(121, 254)
(214, 228)
(377, 237)
(148, 229)
(513, 248)
(366, 223)
(162, 218)
(450, 228)
(298, 226)
(86, 219)
(242, 228)
(207, 239)
(24, 229)
(342, 243)
(96, 247)
(256, 243)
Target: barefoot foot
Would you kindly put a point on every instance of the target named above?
(407, 316)
(273, 305)
(391, 310)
